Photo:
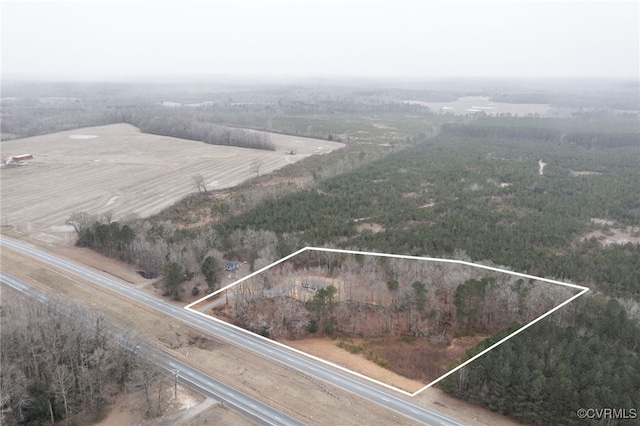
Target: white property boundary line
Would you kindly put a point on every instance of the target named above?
(582, 289)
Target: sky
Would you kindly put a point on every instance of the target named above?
(137, 39)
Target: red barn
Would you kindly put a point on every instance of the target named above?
(18, 159)
(22, 157)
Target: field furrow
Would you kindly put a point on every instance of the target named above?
(124, 171)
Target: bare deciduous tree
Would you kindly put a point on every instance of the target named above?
(62, 388)
(57, 360)
(146, 374)
(256, 165)
(107, 216)
(81, 221)
(199, 183)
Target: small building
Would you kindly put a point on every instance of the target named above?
(18, 160)
(230, 266)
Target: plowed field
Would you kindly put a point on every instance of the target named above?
(119, 169)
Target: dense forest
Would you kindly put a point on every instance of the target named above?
(488, 197)
(586, 358)
(481, 195)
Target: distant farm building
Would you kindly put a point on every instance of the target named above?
(18, 159)
(230, 266)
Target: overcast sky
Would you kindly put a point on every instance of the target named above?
(91, 40)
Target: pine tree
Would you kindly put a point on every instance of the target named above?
(172, 278)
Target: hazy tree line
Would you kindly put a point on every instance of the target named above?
(60, 364)
(44, 108)
(603, 140)
(217, 124)
(501, 132)
(36, 120)
(575, 93)
(192, 124)
(34, 108)
(25, 121)
(576, 132)
(621, 101)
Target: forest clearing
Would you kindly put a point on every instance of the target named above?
(120, 170)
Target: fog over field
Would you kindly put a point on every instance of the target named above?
(108, 40)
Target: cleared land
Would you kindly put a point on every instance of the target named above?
(475, 104)
(119, 169)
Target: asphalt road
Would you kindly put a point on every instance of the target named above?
(249, 341)
(189, 376)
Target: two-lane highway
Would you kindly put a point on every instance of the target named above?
(247, 340)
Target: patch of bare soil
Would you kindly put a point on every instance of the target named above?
(409, 195)
(218, 415)
(606, 237)
(412, 363)
(189, 409)
(583, 173)
(327, 349)
(462, 410)
(600, 221)
(373, 227)
(131, 408)
(299, 182)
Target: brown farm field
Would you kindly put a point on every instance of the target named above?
(119, 169)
